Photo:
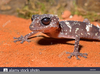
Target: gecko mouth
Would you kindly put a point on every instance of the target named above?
(37, 30)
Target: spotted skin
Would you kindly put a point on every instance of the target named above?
(82, 29)
(63, 29)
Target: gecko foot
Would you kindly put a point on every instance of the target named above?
(76, 54)
(21, 38)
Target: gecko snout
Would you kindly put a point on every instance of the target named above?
(31, 26)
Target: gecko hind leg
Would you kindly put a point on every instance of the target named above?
(76, 52)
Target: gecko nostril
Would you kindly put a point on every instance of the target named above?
(32, 26)
(46, 21)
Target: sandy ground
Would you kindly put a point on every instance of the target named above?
(42, 51)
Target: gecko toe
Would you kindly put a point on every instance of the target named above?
(70, 56)
(28, 40)
(85, 54)
(68, 53)
(77, 57)
(82, 55)
(15, 41)
(22, 41)
(15, 38)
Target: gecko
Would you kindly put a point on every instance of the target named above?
(50, 25)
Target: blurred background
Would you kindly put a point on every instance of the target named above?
(26, 8)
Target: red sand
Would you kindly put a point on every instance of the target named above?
(41, 51)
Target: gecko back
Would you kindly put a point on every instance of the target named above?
(83, 29)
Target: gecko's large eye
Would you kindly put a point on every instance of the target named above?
(46, 21)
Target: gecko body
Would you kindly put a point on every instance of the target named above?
(51, 26)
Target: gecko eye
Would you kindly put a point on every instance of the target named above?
(46, 21)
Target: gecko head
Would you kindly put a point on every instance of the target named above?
(44, 23)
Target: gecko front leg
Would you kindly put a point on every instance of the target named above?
(76, 52)
(24, 38)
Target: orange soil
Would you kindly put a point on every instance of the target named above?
(41, 51)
